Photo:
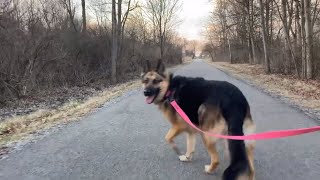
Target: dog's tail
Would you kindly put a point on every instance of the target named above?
(239, 165)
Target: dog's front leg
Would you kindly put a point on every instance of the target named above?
(172, 133)
(191, 142)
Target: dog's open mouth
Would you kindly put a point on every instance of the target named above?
(151, 95)
(150, 99)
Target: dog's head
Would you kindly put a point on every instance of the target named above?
(155, 82)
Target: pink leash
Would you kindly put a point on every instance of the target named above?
(258, 136)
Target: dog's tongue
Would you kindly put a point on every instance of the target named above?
(150, 99)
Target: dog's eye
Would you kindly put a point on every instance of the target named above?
(145, 81)
(156, 81)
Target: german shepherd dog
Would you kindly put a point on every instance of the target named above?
(214, 106)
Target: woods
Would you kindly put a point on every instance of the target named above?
(48, 44)
(283, 35)
(65, 43)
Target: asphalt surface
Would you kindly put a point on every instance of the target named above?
(125, 140)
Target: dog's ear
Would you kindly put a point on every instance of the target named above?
(177, 82)
(146, 66)
(170, 77)
(160, 67)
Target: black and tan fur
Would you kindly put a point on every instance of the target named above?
(214, 106)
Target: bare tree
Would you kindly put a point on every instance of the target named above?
(71, 12)
(285, 15)
(163, 15)
(264, 38)
(84, 17)
(309, 43)
(251, 40)
(114, 51)
(119, 25)
(131, 6)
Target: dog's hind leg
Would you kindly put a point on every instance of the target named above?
(210, 144)
(172, 133)
(249, 128)
(211, 120)
(191, 142)
(241, 155)
(250, 154)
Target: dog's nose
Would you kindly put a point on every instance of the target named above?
(147, 92)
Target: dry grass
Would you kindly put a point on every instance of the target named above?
(16, 128)
(303, 93)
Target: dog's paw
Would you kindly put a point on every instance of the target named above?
(208, 169)
(184, 158)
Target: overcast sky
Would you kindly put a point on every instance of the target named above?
(194, 15)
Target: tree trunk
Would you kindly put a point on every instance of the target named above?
(230, 52)
(267, 19)
(250, 49)
(161, 30)
(251, 34)
(271, 24)
(309, 43)
(124, 20)
(264, 39)
(286, 31)
(254, 56)
(114, 49)
(287, 37)
(161, 46)
(84, 18)
(119, 27)
(224, 35)
(303, 41)
(298, 30)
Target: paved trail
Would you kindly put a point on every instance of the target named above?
(125, 140)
